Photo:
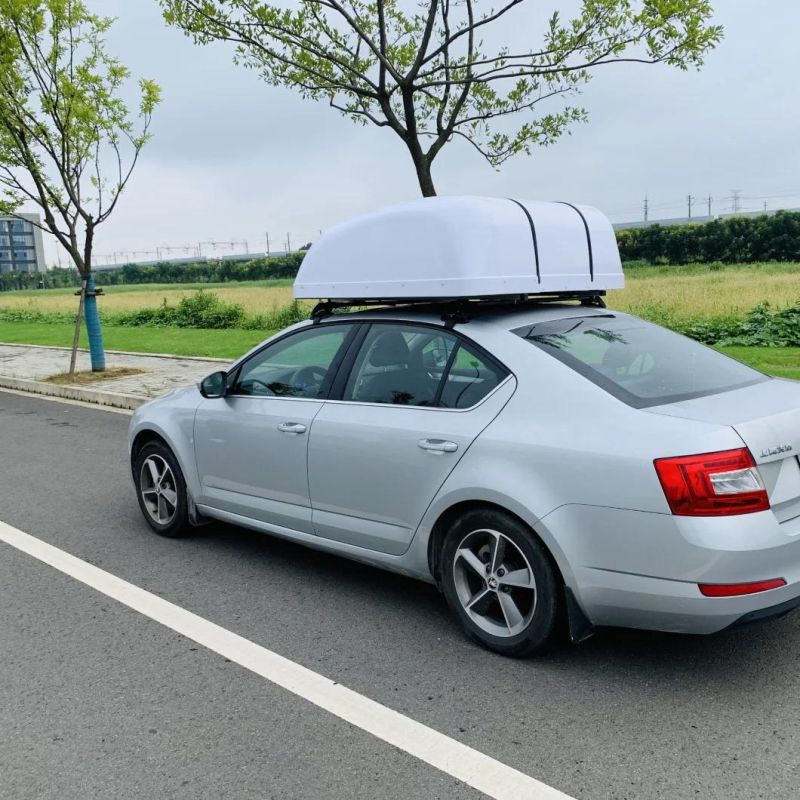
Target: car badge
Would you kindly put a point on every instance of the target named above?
(776, 451)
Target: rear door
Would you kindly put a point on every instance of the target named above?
(412, 400)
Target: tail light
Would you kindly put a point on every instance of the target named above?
(712, 484)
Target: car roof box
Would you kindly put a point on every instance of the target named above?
(463, 247)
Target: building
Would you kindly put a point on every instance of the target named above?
(21, 245)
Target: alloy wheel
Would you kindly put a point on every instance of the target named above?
(158, 489)
(494, 583)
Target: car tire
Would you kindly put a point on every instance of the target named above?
(161, 490)
(499, 580)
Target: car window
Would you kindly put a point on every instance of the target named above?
(638, 362)
(400, 365)
(469, 379)
(419, 366)
(297, 366)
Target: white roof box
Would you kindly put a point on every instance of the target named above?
(454, 247)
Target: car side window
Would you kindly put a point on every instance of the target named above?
(297, 366)
(470, 378)
(400, 365)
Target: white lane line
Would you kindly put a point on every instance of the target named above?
(67, 401)
(474, 768)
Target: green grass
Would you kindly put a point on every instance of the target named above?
(781, 361)
(178, 341)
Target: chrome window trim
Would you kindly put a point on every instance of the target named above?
(376, 405)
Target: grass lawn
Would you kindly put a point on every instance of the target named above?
(698, 290)
(781, 361)
(178, 341)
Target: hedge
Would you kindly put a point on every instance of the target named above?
(732, 240)
(163, 272)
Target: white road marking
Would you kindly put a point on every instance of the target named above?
(66, 401)
(493, 778)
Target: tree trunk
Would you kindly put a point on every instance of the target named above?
(422, 164)
(97, 351)
(423, 168)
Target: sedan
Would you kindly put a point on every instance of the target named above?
(545, 464)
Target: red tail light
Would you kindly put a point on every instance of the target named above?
(738, 589)
(712, 484)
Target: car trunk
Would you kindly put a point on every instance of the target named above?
(767, 418)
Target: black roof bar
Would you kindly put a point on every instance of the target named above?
(458, 309)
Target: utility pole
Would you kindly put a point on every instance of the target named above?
(710, 198)
(765, 206)
(646, 208)
(689, 200)
(267, 244)
(288, 243)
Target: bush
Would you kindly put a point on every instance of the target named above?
(199, 310)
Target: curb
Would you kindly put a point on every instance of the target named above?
(119, 352)
(129, 402)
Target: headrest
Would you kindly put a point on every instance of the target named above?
(390, 348)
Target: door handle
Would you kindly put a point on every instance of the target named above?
(438, 445)
(292, 427)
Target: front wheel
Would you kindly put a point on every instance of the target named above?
(498, 579)
(161, 490)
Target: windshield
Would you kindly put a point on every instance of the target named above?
(640, 363)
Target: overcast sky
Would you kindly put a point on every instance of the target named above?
(233, 158)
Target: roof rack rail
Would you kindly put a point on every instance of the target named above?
(458, 310)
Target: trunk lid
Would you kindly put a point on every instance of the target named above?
(767, 418)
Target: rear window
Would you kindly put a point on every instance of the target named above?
(640, 363)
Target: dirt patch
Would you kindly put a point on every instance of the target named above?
(84, 378)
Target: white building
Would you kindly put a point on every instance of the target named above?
(21, 245)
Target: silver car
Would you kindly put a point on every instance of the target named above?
(542, 463)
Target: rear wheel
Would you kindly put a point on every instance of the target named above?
(498, 579)
(161, 490)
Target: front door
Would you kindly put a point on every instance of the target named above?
(251, 446)
(415, 400)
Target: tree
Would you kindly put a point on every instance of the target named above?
(426, 73)
(68, 143)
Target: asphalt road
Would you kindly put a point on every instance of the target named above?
(98, 701)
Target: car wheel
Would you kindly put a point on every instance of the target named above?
(161, 490)
(498, 579)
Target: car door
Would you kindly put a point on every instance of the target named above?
(411, 401)
(251, 446)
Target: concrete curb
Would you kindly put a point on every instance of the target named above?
(120, 352)
(100, 397)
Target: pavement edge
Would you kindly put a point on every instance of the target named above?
(100, 397)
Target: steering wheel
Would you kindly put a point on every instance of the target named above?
(313, 374)
(253, 382)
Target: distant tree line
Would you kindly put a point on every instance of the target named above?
(732, 240)
(164, 272)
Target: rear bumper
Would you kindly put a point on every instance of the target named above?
(642, 570)
(765, 614)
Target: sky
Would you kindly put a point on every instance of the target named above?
(234, 160)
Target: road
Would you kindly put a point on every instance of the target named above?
(97, 700)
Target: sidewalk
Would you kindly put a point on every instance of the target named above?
(27, 367)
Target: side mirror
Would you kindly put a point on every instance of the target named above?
(215, 385)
